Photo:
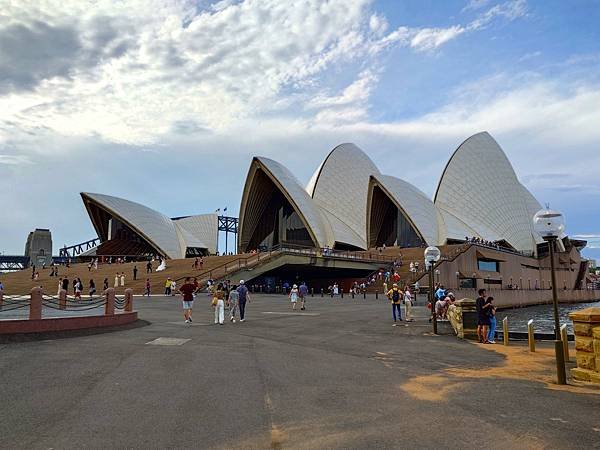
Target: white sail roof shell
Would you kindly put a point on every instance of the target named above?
(419, 208)
(341, 186)
(170, 237)
(200, 231)
(300, 200)
(157, 228)
(480, 188)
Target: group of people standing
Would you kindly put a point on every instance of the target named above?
(235, 298)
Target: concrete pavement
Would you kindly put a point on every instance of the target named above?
(338, 376)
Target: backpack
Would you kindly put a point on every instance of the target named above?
(395, 295)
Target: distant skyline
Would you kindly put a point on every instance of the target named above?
(165, 102)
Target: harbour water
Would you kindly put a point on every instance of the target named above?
(542, 315)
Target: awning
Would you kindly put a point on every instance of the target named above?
(489, 254)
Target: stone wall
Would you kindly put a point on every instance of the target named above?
(586, 324)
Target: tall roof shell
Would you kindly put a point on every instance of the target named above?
(341, 186)
(417, 207)
(155, 227)
(290, 187)
(480, 188)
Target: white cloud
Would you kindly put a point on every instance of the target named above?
(134, 70)
(15, 160)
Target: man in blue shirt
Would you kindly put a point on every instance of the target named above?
(244, 296)
(303, 293)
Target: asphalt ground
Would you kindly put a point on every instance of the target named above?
(337, 375)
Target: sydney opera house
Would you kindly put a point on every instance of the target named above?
(348, 204)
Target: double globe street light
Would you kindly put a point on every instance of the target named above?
(432, 255)
(550, 225)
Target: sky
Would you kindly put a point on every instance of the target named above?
(165, 102)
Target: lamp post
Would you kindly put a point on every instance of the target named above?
(549, 225)
(437, 275)
(432, 255)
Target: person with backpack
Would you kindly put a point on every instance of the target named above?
(395, 297)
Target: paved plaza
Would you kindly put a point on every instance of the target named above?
(337, 375)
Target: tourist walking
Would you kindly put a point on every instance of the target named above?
(74, 285)
(303, 293)
(149, 267)
(78, 289)
(408, 305)
(173, 287)
(219, 304)
(187, 291)
(105, 284)
(135, 270)
(147, 287)
(293, 296)
(122, 278)
(60, 286)
(483, 320)
(92, 288)
(168, 286)
(244, 296)
(116, 285)
(395, 297)
(233, 301)
(493, 323)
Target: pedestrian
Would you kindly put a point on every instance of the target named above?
(408, 305)
(92, 288)
(173, 287)
(492, 316)
(168, 286)
(201, 262)
(116, 285)
(244, 296)
(135, 270)
(147, 288)
(105, 284)
(219, 304)
(395, 297)
(65, 284)
(122, 278)
(336, 289)
(294, 296)
(149, 267)
(233, 301)
(78, 289)
(303, 293)
(483, 320)
(187, 291)
(60, 286)
(74, 285)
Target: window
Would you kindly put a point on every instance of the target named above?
(488, 265)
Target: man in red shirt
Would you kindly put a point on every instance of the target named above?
(187, 290)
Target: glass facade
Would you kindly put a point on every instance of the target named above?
(389, 225)
(488, 265)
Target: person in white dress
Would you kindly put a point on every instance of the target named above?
(294, 296)
(116, 281)
(122, 278)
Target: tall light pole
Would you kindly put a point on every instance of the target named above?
(432, 255)
(549, 225)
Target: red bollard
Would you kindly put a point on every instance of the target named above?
(62, 299)
(35, 305)
(128, 299)
(109, 308)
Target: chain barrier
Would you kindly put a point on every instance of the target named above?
(120, 302)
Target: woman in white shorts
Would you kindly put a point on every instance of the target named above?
(294, 296)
